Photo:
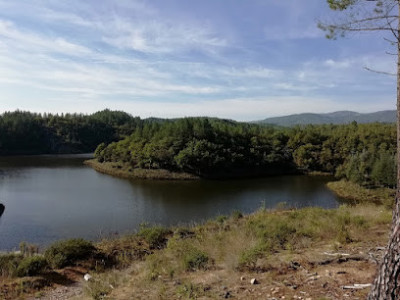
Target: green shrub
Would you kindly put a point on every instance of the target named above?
(64, 253)
(248, 258)
(184, 233)
(237, 214)
(195, 259)
(221, 219)
(9, 264)
(154, 236)
(31, 266)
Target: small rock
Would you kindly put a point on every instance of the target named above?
(242, 278)
(87, 277)
(227, 295)
(253, 281)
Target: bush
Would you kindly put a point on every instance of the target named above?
(9, 264)
(154, 236)
(221, 219)
(237, 214)
(248, 258)
(195, 259)
(31, 266)
(64, 253)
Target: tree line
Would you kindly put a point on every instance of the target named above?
(209, 147)
(362, 153)
(31, 133)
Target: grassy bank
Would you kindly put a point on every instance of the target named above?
(309, 253)
(126, 171)
(358, 194)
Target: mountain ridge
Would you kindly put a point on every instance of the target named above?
(337, 117)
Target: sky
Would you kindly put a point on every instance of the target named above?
(237, 59)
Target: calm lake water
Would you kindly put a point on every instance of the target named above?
(55, 197)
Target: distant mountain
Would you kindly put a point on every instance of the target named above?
(338, 117)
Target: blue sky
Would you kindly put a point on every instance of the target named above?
(243, 60)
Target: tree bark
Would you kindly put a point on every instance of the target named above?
(387, 282)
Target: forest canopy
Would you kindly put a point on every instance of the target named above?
(209, 147)
(30, 133)
(362, 153)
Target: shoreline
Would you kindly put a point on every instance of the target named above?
(126, 171)
(355, 193)
(173, 258)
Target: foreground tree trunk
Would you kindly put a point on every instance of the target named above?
(387, 282)
(373, 16)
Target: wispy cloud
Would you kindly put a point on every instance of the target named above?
(159, 37)
(138, 56)
(26, 41)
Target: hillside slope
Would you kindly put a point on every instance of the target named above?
(338, 117)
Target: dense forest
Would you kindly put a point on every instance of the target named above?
(362, 153)
(203, 146)
(209, 147)
(31, 133)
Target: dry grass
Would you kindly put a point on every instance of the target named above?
(284, 249)
(276, 243)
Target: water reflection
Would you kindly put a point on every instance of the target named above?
(55, 197)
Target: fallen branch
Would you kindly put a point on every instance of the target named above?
(336, 254)
(357, 286)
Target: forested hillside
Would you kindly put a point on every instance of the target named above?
(31, 133)
(362, 153)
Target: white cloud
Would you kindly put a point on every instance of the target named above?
(26, 41)
(159, 37)
(337, 64)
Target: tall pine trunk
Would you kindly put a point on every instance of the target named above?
(387, 282)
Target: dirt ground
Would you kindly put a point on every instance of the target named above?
(316, 274)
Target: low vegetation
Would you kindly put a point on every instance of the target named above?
(170, 260)
(355, 193)
(64, 253)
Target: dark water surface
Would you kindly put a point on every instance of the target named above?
(55, 197)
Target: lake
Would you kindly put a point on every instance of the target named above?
(53, 197)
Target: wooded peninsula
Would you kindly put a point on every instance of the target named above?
(207, 147)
